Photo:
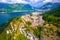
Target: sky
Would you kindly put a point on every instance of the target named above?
(28, 1)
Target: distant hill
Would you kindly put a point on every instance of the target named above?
(11, 7)
(55, 11)
(49, 6)
(4, 7)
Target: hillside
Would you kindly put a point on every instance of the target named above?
(21, 28)
(31, 27)
(53, 17)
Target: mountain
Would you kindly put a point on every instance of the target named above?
(49, 6)
(21, 28)
(24, 28)
(3, 5)
(17, 7)
(14, 7)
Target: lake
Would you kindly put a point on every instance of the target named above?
(4, 17)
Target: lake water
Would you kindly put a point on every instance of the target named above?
(6, 16)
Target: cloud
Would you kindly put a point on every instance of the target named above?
(28, 1)
(20, 1)
(14, 1)
(47, 1)
(55, 1)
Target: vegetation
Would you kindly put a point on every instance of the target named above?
(55, 11)
(51, 27)
(53, 16)
(37, 32)
(14, 35)
(16, 7)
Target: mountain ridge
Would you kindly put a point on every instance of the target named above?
(4, 7)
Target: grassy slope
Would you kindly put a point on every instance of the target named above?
(10, 36)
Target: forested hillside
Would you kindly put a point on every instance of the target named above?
(53, 16)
